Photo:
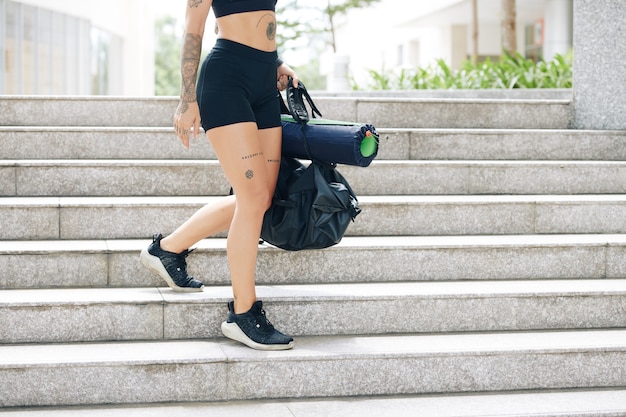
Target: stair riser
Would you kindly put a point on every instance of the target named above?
(579, 403)
(87, 111)
(454, 373)
(511, 145)
(154, 180)
(392, 112)
(113, 384)
(120, 268)
(439, 178)
(130, 221)
(95, 322)
(429, 219)
(414, 178)
(384, 113)
(417, 144)
(358, 376)
(116, 143)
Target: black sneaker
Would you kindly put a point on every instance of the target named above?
(171, 266)
(253, 329)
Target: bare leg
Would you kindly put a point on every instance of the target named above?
(250, 159)
(208, 221)
(244, 152)
(217, 217)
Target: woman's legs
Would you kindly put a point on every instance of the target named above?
(249, 160)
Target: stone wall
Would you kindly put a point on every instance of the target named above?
(599, 64)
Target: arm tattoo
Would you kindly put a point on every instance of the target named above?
(249, 174)
(194, 3)
(192, 45)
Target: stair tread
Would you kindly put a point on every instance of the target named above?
(381, 162)
(365, 242)
(320, 292)
(314, 348)
(160, 129)
(367, 199)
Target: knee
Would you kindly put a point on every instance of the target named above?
(265, 201)
(256, 202)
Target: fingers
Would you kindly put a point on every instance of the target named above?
(183, 134)
(283, 81)
(186, 118)
(196, 129)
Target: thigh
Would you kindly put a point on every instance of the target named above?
(242, 156)
(271, 143)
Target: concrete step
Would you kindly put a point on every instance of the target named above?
(195, 177)
(504, 144)
(379, 111)
(395, 144)
(75, 142)
(83, 218)
(514, 94)
(114, 263)
(340, 366)
(579, 403)
(103, 314)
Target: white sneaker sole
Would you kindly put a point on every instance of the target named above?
(232, 331)
(154, 263)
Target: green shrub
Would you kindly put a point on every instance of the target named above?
(510, 71)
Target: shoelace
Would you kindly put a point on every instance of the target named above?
(181, 263)
(263, 324)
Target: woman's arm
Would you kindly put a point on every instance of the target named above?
(187, 113)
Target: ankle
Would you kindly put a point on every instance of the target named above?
(242, 307)
(168, 247)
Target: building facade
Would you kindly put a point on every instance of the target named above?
(75, 47)
(396, 34)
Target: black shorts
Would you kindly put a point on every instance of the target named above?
(237, 84)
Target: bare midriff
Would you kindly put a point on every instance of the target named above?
(254, 29)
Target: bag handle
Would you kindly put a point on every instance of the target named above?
(297, 109)
(295, 101)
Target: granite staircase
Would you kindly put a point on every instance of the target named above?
(486, 274)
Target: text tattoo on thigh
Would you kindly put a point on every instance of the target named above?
(252, 155)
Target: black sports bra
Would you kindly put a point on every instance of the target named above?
(226, 7)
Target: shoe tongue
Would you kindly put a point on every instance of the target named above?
(257, 306)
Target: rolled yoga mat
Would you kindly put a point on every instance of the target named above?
(330, 141)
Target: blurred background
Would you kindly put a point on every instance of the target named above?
(132, 47)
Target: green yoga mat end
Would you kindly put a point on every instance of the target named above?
(369, 145)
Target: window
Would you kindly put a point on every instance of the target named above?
(47, 52)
